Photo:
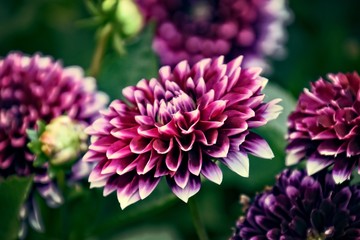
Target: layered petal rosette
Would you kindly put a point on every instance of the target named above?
(324, 128)
(191, 30)
(177, 126)
(303, 207)
(34, 88)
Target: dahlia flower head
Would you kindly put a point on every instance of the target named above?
(34, 88)
(301, 207)
(192, 30)
(324, 128)
(177, 126)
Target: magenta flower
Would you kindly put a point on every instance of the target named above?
(302, 207)
(177, 126)
(324, 128)
(37, 88)
(191, 30)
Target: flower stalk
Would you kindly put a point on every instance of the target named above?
(198, 222)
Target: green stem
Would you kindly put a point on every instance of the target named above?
(102, 41)
(199, 225)
(60, 177)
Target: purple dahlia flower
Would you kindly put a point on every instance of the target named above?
(38, 88)
(191, 30)
(324, 128)
(303, 207)
(177, 126)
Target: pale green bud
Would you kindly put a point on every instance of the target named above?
(63, 140)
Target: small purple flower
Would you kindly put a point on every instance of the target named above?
(324, 128)
(303, 207)
(192, 30)
(177, 126)
(36, 88)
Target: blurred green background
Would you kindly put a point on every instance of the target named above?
(323, 37)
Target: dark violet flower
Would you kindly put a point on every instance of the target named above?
(302, 207)
(194, 29)
(324, 128)
(177, 126)
(36, 88)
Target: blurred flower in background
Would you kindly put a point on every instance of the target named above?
(36, 88)
(193, 30)
(177, 126)
(324, 128)
(303, 207)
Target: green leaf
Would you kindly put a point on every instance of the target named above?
(13, 193)
(41, 126)
(32, 134)
(120, 71)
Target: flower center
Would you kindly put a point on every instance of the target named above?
(180, 101)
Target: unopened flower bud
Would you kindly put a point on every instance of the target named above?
(63, 140)
(126, 14)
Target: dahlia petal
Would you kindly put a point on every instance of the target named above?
(102, 126)
(182, 176)
(92, 156)
(102, 144)
(206, 99)
(213, 109)
(208, 138)
(163, 147)
(192, 187)
(211, 171)
(51, 194)
(210, 124)
(110, 166)
(35, 218)
(235, 97)
(221, 149)
(293, 157)
(140, 145)
(124, 133)
(186, 142)
(148, 132)
(233, 65)
(18, 141)
(169, 129)
(353, 148)
(146, 164)
(257, 146)
(237, 162)
(127, 164)
(200, 88)
(272, 110)
(233, 78)
(195, 161)
(118, 150)
(144, 120)
(181, 71)
(326, 134)
(221, 86)
(110, 186)
(173, 159)
(342, 170)
(3, 144)
(129, 193)
(316, 163)
(147, 184)
(329, 147)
